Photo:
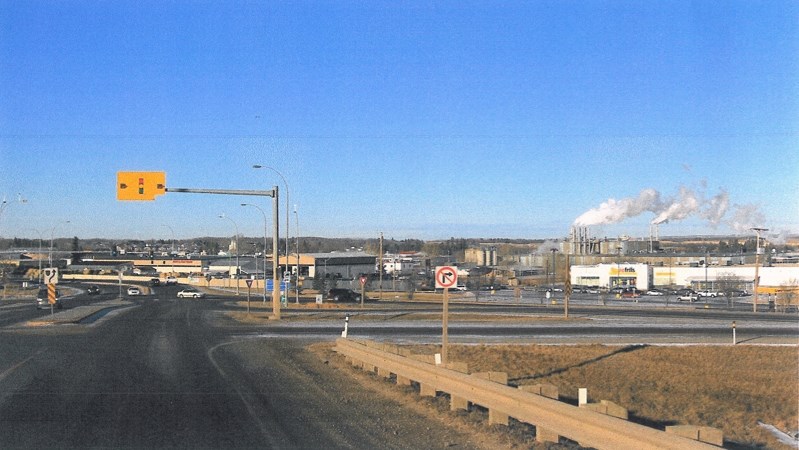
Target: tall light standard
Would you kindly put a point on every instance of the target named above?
(757, 265)
(264, 214)
(258, 166)
(554, 271)
(222, 216)
(172, 253)
(52, 238)
(297, 226)
(39, 256)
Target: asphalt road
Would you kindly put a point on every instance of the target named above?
(160, 376)
(175, 373)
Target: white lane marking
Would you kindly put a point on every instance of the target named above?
(16, 366)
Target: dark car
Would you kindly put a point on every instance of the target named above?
(343, 295)
(93, 290)
(43, 302)
(631, 293)
(155, 282)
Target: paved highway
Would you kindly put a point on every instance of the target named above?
(160, 376)
(166, 372)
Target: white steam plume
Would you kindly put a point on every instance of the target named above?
(686, 204)
(678, 209)
(716, 208)
(746, 217)
(614, 211)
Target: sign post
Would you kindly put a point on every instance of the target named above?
(249, 285)
(50, 278)
(363, 280)
(446, 277)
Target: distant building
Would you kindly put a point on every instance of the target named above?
(486, 256)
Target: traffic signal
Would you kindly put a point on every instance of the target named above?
(140, 185)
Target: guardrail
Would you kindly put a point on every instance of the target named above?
(589, 426)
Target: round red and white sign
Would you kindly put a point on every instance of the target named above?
(446, 277)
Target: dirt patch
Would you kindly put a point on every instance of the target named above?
(730, 388)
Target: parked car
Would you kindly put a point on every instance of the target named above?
(134, 291)
(155, 281)
(711, 294)
(171, 280)
(593, 290)
(687, 297)
(190, 293)
(631, 293)
(343, 295)
(656, 292)
(93, 290)
(43, 302)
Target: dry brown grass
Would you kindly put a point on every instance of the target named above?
(730, 388)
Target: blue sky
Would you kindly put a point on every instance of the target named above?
(416, 119)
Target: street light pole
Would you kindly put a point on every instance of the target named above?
(222, 216)
(52, 238)
(554, 271)
(297, 227)
(757, 266)
(172, 253)
(258, 166)
(264, 214)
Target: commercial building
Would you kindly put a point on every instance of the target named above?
(645, 276)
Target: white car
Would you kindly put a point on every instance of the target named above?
(133, 291)
(190, 293)
(654, 292)
(171, 280)
(687, 297)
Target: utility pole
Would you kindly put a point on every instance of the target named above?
(567, 292)
(757, 265)
(380, 266)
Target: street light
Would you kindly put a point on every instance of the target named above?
(222, 216)
(39, 256)
(297, 226)
(258, 166)
(264, 214)
(172, 253)
(554, 271)
(757, 265)
(52, 237)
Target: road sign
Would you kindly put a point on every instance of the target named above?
(284, 285)
(51, 294)
(50, 275)
(446, 277)
(249, 282)
(140, 185)
(363, 280)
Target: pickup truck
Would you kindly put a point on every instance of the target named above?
(687, 297)
(711, 294)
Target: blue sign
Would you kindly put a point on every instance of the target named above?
(284, 285)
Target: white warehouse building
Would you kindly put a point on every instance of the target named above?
(645, 277)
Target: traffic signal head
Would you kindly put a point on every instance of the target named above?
(140, 185)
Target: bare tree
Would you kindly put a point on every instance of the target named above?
(729, 285)
(788, 294)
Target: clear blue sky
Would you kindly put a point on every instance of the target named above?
(416, 119)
